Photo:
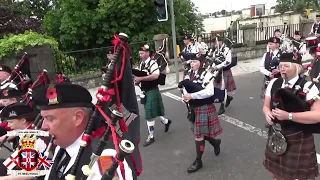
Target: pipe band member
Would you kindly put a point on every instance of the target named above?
(206, 125)
(149, 85)
(269, 63)
(277, 33)
(227, 82)
(66, 116)
(298, 44)
(299, 160)
(189, 50)
(9, 96)
(21, 116)
(315, 64)
(315, 30)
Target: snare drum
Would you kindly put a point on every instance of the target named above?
(311, 41)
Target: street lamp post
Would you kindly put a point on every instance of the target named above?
(174, 40)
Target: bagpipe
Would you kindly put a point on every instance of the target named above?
(192, 87)
(163, 65)
(42, 80)
(20, 77)
(294, 100)
(107, 95)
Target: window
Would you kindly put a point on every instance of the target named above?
(259, 12)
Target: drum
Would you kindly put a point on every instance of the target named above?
(311, 41)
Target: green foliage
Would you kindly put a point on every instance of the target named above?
(298, 6)
(13, 44)
(79, 24)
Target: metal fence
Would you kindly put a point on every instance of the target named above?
(91, 60)
(264, 33)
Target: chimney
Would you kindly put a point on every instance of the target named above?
(252, 10)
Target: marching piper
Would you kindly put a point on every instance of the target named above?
(277, 33)
(269, 63)
(20, 116)
(224, 64)
(204, 121)
(188, 52)
(290, 151)
(64, 111)
(315, 64)
(298, 44)
(315, 30)
(153, 104)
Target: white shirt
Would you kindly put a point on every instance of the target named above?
(263, 70)
(303, 48)
(313, 91)
(311, 31)
(154, 68)
(190, 48)
(208, 91)
(228, 58)
(73, 150)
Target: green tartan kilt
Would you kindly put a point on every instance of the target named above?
(154, 105)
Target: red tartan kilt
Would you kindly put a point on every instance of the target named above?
(230, 85)
(299, 161)
(206, 122)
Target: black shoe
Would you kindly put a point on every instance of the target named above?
(149, 141)
(221, 110)
(215, 143)
(229, 99)
(166, 126)
(217, 147)
(195, 166)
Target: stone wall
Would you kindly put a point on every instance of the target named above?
(40, 57)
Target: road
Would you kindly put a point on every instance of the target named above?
(243, 140)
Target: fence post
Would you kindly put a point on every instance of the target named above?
(249, 35)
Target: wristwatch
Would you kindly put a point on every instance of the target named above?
(290, 116)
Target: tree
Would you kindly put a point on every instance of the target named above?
(79, 24)
(298, 6)
(13, 23)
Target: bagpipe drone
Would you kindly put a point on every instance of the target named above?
(161, 60)
(107, 95)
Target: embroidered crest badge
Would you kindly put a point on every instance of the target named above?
(12, 114)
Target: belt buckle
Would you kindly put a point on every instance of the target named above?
(277, 143)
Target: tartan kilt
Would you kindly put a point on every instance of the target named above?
(298, 162)
(263, 89)
(206, 122)
(230, 85)
(154, 105)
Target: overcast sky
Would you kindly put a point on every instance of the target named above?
(207, 6)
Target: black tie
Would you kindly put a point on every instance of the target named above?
(271, 55)
(61, 166)
(143, 64)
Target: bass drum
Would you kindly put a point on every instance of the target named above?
(311, 41)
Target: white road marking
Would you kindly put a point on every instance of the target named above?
(235, 122)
